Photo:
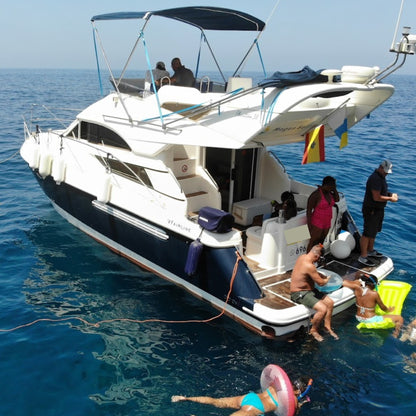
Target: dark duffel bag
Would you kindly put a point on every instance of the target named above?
(215, 220)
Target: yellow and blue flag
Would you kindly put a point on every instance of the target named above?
(342, 133)
(339, 123)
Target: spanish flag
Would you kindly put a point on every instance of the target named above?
(314, 146)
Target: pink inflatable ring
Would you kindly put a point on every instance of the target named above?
(274, 376)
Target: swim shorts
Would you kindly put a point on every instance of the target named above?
(373, 320)
(252, 399)
(308, 298)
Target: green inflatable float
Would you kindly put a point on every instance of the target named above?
(392, 293)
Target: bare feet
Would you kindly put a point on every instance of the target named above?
(332, 333)
(178, 398)
(316, 335)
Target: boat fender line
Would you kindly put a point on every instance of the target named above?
(137, 321)
(393, 293)
(274, 376)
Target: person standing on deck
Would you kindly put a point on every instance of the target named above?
(319, 210)
(375, 199)
(303, 291)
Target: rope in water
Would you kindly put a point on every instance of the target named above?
(10, 158)
(136, 321)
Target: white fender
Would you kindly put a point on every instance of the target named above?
(104, 189)
(59, 169)
(34, 157)
(45, 165)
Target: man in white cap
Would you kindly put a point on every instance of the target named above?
(375, 199)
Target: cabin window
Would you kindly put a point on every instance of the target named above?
(128, 170)
(97, 134)
(74, 132)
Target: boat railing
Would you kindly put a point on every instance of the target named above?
(204, 84)
(195, 110)
(191, 111)
(48, 118)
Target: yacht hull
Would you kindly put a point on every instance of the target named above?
(164, 253)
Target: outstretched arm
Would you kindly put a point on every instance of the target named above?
(351, 284)
(382, 305)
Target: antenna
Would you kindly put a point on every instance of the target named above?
(393, 44)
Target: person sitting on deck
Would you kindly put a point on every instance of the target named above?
(158, 73)
(303, 291)
(182, 77)
(288, 206)
(366, 300)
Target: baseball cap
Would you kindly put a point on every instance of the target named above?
(386, 165)
(160, 65)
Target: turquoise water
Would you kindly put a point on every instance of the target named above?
(49, 270)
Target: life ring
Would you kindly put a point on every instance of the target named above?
(275, 376)
(392, 293)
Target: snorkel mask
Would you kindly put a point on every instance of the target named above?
(304, 389)
(368, 278)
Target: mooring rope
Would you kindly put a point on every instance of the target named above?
(10, 158)
(136, 321)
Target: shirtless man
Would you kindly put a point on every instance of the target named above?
(367, 299)
(302, 290)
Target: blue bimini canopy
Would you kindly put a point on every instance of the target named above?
(204, 18)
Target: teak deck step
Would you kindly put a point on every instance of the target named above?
(186, 177)
(193, 194)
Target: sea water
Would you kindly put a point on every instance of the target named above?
(50, 271)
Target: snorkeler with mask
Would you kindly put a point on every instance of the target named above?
(367, 297)
(253, 404)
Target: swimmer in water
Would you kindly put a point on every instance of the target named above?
(253, 404)
(366, 300)
(409, 333)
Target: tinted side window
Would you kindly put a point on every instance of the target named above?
(128, 170)
(95, 133)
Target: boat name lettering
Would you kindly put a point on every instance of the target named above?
(288, 129)
(296, 251)
(179, 225)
